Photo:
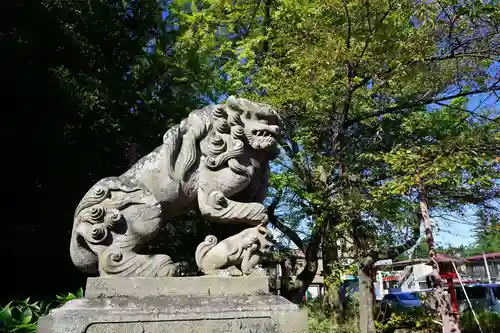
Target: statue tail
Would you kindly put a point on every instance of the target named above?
(83, 258)
(202, 249)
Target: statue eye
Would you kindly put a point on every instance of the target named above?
(264, 121)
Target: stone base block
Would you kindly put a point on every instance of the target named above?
(177, 286)
(193, 312)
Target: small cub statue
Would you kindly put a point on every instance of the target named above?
(234, 256)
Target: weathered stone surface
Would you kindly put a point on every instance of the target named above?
(250, 325)
(179, 314)
(217, 159)
(242, 250)
(178, 305)
(176, 286)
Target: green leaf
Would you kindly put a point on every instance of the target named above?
(6, 314)
(24, 328)
(27, 315)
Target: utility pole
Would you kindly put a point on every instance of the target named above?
(487, 268)
(450, 320)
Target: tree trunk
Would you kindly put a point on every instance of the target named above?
(366, 300)
(330, 252)
(285, 280)
(450, 321)
(296, 292)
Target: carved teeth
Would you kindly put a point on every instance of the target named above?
(263, 133)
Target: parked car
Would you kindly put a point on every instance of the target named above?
(483, 296)
(400, 302)
(348, 288)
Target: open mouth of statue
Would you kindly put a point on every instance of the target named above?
(263, 133)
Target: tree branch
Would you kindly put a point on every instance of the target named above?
(266, 22)
(276, 222)
(471, 112)
(395, 251)
(349, 26)
(311, 261)
(306, 276)
(426, 101)
(483, 55)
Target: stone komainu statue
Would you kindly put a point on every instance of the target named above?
(216, 159)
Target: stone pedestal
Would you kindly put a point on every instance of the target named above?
(181, 305)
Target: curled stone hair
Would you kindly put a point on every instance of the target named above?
(98, 194)
(214, 163)
(181, 144)
(216, 146)
(94, 197)
(98, 219)
(234, 119)
(225, 127)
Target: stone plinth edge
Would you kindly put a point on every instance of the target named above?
(177, 286)
(176, 314)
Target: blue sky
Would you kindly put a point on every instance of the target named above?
(459, 231)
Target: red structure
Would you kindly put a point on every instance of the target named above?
(449, 276)
(447, 272)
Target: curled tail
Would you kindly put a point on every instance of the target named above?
(202, 249)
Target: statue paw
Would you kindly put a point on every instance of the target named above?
(233, 271)
(257, 272)
(227, 272)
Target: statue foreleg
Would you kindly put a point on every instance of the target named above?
(216, 207)
(251, 258)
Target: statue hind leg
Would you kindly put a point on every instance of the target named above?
(115, 220)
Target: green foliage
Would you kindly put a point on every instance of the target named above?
(489, 321)
(22, 316)
(62, 299)
(355, 82)
(487, 232)
(419, 320)
(422, 250)
(322, 320)
(446, 152)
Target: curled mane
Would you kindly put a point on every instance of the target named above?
(102, 191)
(182, 144)
(223, 128)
